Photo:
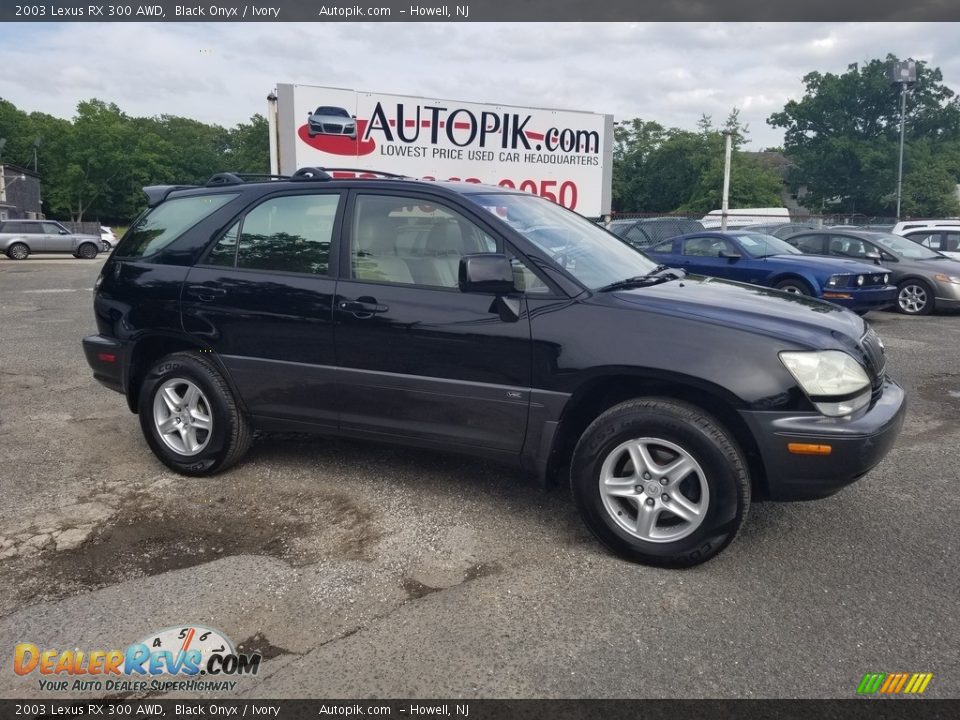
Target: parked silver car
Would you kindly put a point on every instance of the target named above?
(925, 279)
(20, 238)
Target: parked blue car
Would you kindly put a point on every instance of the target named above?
(761, 259)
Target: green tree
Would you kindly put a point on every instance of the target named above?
(659, 170)
(843, 140)
(633, 143)
(248, 146)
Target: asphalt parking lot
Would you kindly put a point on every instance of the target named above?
(371, 571)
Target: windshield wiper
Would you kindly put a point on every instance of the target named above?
(661, 273)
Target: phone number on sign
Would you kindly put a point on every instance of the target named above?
(563, 192)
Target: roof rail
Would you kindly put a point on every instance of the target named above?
(156, 194)
(364, 170)
(232, 178)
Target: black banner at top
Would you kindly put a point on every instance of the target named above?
(478, 10)
(149, 709)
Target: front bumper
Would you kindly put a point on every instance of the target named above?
(857, 299)
(946, 295)
(107, 357)
(856, 446)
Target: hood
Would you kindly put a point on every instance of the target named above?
(332, 118)
(835, 264)
(802, 320)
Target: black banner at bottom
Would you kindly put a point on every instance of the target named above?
(854, 709)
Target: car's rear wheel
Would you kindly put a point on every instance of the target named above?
(189, 416)
(914, 297)
(87, 251)
(660, 482)
(794, 287)
(18, 251)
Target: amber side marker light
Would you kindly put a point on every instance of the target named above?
(809, 449)
(837, 296)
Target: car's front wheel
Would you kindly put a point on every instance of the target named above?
(660, 482)
(914, 297)
(189, 416)
(794, 287)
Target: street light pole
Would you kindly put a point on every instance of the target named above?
(903, 113)
(902, 73)
(725, 202)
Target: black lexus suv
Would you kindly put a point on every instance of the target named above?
(491, 322)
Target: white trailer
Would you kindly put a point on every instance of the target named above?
(565, 156)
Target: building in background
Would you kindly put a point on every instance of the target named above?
(19, 194)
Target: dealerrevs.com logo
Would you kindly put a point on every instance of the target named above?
(186, 658)
(900, 683)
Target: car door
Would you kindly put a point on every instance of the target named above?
(32, 234)
(57, 238)
(262, 299)
(418, 358)
(702, 254)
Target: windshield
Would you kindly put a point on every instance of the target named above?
(903, 247)
(338, 112)
(760, 245)
(588, 252)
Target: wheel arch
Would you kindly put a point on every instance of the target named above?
(600, 394)
(17, 241)
(813, 285)
(148, 349)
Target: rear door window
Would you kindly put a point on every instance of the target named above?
(814, 244)
(287, 234)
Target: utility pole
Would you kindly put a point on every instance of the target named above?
(904, 74)
(725, 203)
(903, 113)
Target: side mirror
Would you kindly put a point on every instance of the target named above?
(875, 256)
(486, 273)
(64, 232)
(730, 255)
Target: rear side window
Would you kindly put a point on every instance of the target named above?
(21, 227)
(166, 222)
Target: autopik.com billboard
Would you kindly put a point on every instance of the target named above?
(563, 155)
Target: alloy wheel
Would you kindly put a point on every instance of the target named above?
(182, 416)
(654, 490)
(912, 298)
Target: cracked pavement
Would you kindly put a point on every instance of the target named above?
(362, 570)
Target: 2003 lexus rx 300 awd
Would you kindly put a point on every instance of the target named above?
(494, 323)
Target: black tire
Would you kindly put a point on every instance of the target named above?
(796, 287)
(18, 251)
(914, 297)
(230, 434)
(87, 251)
(703, 439)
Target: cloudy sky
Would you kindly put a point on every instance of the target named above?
(671, 73)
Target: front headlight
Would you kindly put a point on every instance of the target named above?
(947, 278)
(886, 279)
(836, 281)
(835, 383)
(859, 280)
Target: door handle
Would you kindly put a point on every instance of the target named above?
(362, 308)
(205, 293)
